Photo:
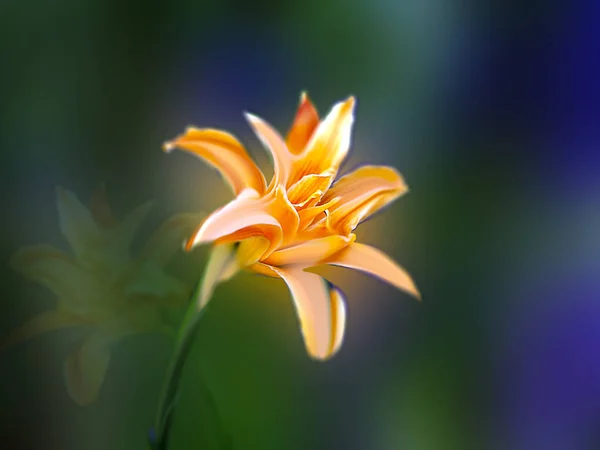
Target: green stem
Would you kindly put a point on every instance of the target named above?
(183, 345)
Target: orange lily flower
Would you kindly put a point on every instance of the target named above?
(304, 218)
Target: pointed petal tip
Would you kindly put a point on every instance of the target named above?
(168, 146)
(252, 118)
(323, 358)
(305, 100)
(350, 102)
(417, 294)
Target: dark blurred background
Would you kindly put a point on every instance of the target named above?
(490, 109)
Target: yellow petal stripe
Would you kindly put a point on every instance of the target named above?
(302, 191)
(338, 319)
(239, 214)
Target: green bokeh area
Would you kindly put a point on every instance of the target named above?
(89, 92)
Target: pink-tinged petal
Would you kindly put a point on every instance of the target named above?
(270, 138)
(244, 212)
(272, 217)
(309, 253)
(329, 144)
(235, 225)
(43, 323)
(320, 309)
(225, 153)
(305, 123)
(374, 262)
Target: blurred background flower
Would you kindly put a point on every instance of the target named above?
(489, 110)
(100, 287)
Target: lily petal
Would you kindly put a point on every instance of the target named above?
(373, 261)
(304, 189)
(363, 192)
(85, 368)
(305, 123)
(329, 144)
(320, 308)
(271, 139)
(42, 323)
(218, 268)
(251, 250)
(246, 212)
(225, 153)
(309, 214)
(75, 221)
(248, 252)
(75, 288)
(309, 253)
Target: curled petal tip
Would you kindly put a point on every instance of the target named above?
(303, 97)
(189, 244)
